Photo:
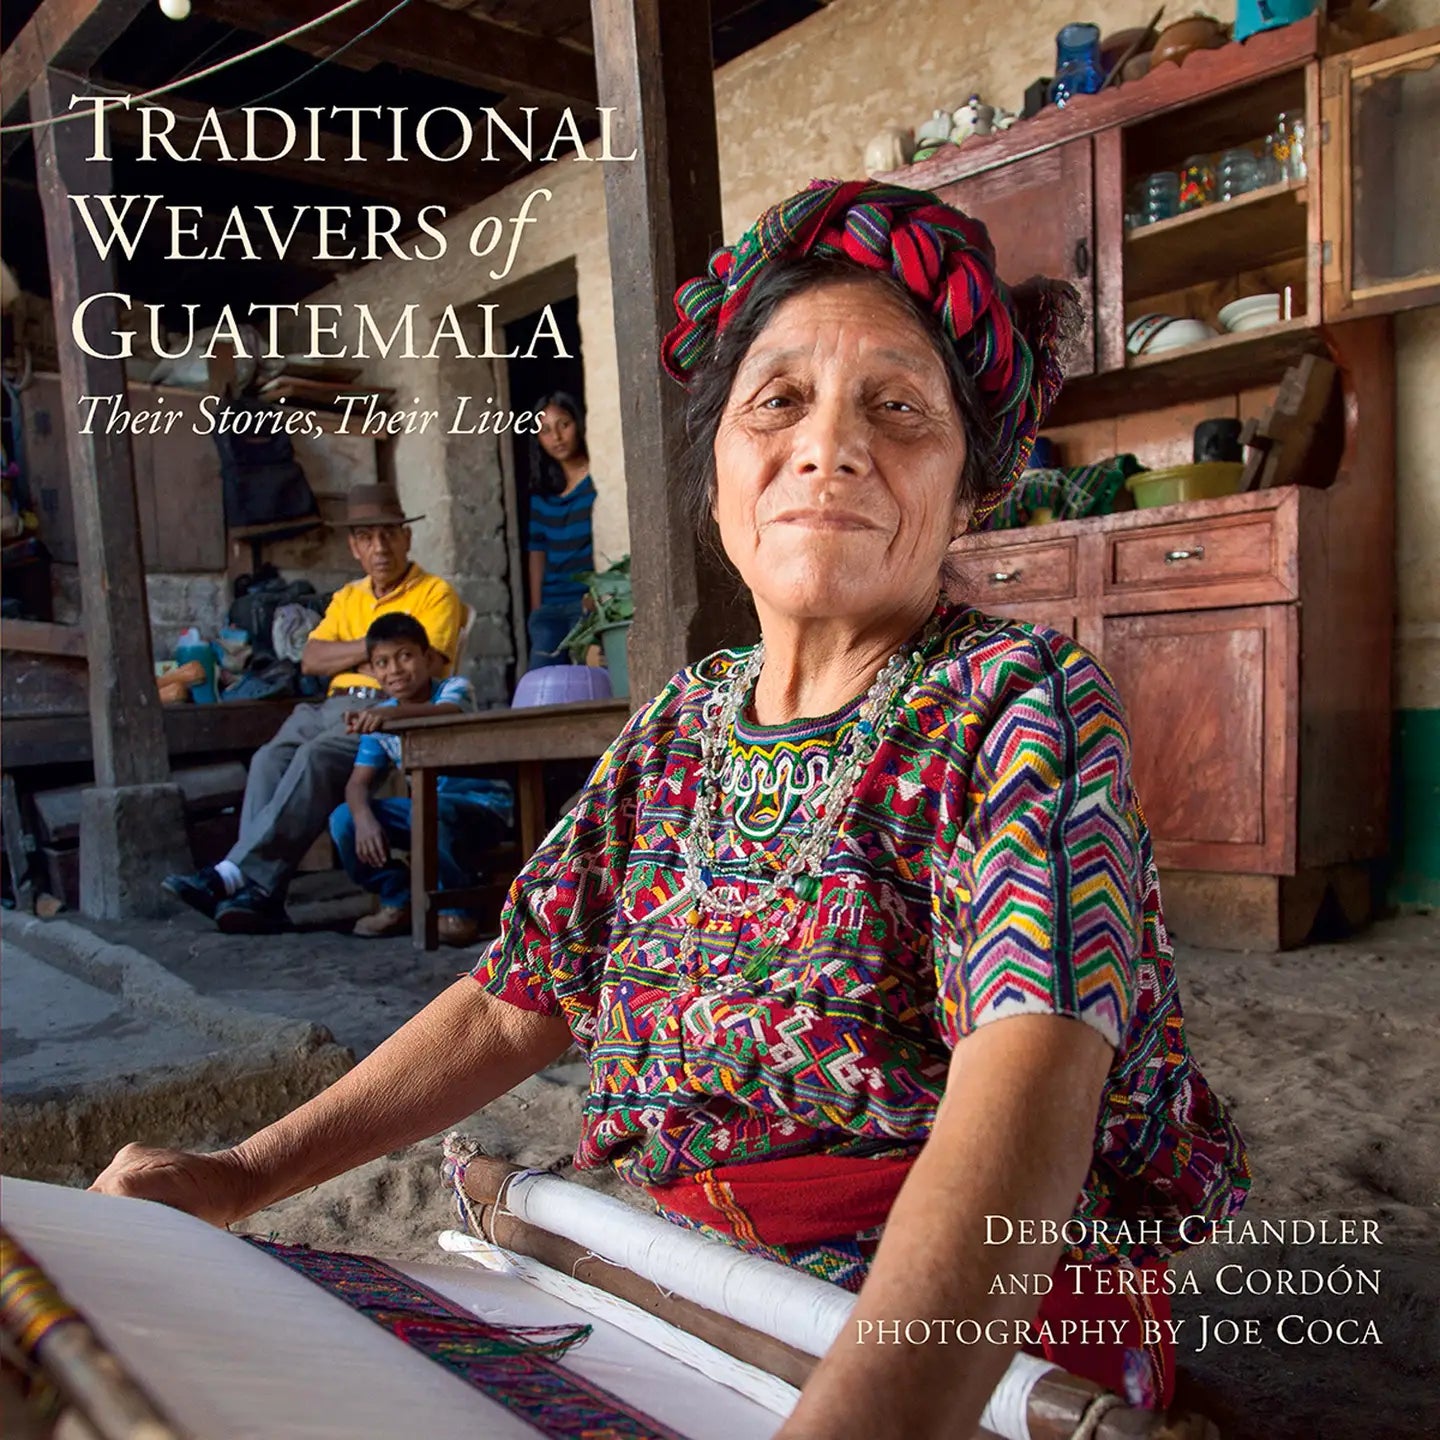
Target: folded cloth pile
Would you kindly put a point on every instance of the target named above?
(1072, 494)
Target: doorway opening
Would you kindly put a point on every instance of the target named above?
(529, 381)
(480, 541)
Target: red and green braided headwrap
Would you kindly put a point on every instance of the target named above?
(1007, 341)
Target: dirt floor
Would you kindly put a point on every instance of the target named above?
(1328, 1056)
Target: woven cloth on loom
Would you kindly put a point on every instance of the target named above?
(517, 1368)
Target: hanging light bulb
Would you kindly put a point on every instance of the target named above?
(175, 9)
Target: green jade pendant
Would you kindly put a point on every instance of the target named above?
(759, 966)
(763, 961)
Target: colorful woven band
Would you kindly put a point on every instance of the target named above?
(513, 1365)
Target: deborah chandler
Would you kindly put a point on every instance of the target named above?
(1190, 1229)
(327, 331)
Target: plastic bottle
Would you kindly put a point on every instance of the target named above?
(189, 647)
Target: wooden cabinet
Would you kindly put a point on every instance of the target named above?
(1039, 211)
(1249, 637)
(1358, 234)
(1205, 653)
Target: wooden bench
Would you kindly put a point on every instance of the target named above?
(238, 727)
(46, 760)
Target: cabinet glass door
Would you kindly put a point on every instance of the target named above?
(1381, 169)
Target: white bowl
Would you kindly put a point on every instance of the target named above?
(1179, 334)
(1141, 330)
(1254, 312)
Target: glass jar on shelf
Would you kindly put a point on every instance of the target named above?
(1077, 63)
(1197, 183)
(1237, 172)
(1272, 172)
(1160, 196)
(1287, 146)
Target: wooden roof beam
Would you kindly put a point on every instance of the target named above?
(69, 33)
(433, 41)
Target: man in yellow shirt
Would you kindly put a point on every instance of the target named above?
(299, 777)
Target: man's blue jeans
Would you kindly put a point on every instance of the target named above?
(548, 626)
(464, 829)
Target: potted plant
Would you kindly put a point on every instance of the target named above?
(606, 622)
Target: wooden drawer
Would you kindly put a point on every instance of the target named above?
(1219, 551)
(1009, 574)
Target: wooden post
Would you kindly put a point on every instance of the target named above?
(132, 837)
(424, 857)
(654, 65)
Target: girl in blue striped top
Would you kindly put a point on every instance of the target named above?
(560, 541)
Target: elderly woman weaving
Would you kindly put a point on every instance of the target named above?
(859, 929)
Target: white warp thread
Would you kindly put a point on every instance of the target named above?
(230, 1343)
(1006, 1412)
(788, 1305)
(804, 1312)
(775, 1394)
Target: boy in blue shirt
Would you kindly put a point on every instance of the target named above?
(472, 814)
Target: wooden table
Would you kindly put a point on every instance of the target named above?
(452, 744)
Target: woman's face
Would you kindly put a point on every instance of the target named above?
(558, 433)
(838, 458)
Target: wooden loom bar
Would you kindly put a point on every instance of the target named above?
(47, 1330)
(1057, 1403)
(483, 1179)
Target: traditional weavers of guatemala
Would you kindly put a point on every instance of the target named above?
(895, 960)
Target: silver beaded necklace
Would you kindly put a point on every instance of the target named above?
(798, 873)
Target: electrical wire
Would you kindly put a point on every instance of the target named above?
(305, 74)
(128, 100)
(218, 43)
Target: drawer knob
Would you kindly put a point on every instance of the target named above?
(1004, 577)
(1173, 557)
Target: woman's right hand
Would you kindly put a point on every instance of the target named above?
(217, 1187)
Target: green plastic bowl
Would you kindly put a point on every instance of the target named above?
(1175, 484)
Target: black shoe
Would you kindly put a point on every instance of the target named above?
(251, 911)
(203, 891)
